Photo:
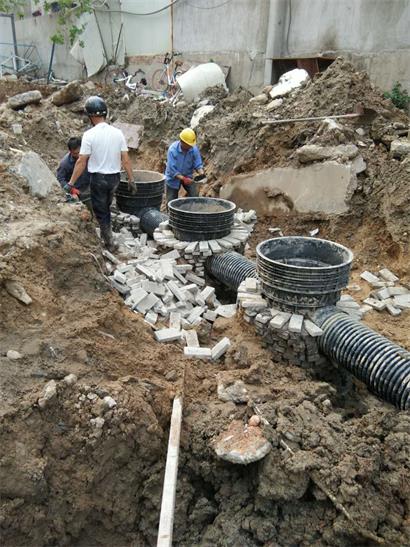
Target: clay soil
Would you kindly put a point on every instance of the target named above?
(338, 472)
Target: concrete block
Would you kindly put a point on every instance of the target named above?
(375, 304)
(251, 284)
(118, 276)
(369, 277)
(191, 247)
(183, 268)
(214, 246)
(402, 301)
(197, 353)
(175, 320)
(110, 257)
(210, 315)
(226, 245)
(383, 294)
(148, 272)
(227, 310)
(312, 329)
(179, 294)
(171, 255)
(220, 348)
(387, 275)
(255, 305)
(208, 294)
(295, 323)
(179, 276)
(191, 338)
(156, 288)
(199, 300)
(395, 291)
(167, 335)
(393, 310)
(195, 314)
(348, 305)
(146, 303)
(195, 279)
(151, 317)
(192, 288)
(280, 320)
(143, 239)
(167, 269)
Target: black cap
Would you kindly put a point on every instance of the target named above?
(95, 106)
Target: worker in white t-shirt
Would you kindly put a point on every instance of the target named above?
(103, 150)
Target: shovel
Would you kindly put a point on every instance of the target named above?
(366, 116)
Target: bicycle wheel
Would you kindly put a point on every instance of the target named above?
(159, 80)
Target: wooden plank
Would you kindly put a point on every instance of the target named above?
(166, 520)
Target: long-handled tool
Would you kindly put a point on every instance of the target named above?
(365, 114)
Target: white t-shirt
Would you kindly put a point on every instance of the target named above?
(104, 144)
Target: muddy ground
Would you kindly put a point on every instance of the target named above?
(65, 481)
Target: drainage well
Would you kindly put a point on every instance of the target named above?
(201, 219)
(303, 273)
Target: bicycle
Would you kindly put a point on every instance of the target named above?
(165, 79)
(134, 82)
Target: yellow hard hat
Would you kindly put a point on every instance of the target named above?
(188, 136)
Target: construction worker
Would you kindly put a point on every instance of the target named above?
(183, 159)
(103, 149)
(81, 189)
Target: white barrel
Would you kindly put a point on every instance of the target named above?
(197, 79)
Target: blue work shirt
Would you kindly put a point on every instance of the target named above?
(65, 170)
(181, 163)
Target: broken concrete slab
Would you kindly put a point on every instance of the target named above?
(323, 187)
(242, 444)
(402, 301)
(37, 174)
(314, 152)
(132, 133)
(23, 99)
(67, 94)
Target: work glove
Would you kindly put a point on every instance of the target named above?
(72, 191)
(201, 179)
(186, 181)
(132, 187)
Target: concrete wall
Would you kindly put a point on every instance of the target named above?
(374, 34)
(232, 34)
(246, 35)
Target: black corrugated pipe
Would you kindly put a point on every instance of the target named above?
(150, 219)
(230, 268)
(382, 365)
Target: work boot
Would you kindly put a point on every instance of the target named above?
(107, 237)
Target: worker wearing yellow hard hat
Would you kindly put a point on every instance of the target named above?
(183, 158)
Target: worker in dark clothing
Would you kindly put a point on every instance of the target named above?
(81, 189)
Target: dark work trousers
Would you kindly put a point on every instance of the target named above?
(191, 189)
(102, 193)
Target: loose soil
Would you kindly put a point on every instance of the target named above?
(64, 481)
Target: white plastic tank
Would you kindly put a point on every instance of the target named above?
(197, 79)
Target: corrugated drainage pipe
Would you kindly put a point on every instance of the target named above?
(230, 268)
(382, 365)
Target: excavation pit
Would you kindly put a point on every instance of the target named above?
(303, 273)
(201, 219)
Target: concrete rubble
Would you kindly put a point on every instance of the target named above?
(387, 293)
(163, 288)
